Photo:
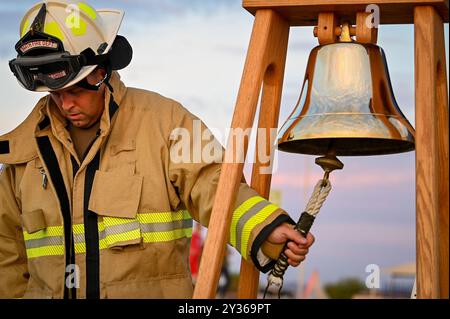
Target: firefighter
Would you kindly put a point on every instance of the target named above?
(92, 203)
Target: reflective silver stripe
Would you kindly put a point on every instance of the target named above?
(161, 227)
(46, 241)
(243, 220)
(78, 238)
(101, 235)
(111, 231)
(135, 225)
(122, 228)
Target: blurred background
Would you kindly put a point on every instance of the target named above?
(194, 52)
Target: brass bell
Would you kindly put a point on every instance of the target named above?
(347, 105)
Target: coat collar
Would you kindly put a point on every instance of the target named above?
(19, 145)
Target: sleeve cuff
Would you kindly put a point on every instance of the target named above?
(261, 261)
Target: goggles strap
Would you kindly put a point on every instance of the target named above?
(92, 87)
(95, 87)
(108, 69)
(90, 58)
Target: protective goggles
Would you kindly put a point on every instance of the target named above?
(42, 60)
(52, 70)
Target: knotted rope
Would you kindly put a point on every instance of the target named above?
(318, 197)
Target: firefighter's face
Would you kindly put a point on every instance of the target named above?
(79, 106)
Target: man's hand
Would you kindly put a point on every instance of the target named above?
(298, 246)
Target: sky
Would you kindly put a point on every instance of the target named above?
(194, 52)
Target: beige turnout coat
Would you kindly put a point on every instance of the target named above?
(118, 224)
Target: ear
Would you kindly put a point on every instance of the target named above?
(101, 72)
(96, 76)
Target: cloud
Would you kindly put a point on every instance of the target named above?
(196, 61)
(17, 102)
(363, 235)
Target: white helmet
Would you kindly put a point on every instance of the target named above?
(62, 42)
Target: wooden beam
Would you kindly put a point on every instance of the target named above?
(268, 119)
(432, 192)
(267, 28)
(305, 12)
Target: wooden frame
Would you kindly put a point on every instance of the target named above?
(305, 12)
(264, 66)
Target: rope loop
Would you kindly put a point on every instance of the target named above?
(318, 197)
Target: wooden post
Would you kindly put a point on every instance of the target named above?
(432, 193)
(268, 36)
(268, 119)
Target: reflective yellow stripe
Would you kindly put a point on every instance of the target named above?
(162, 217)
(47, 232)
(113, 221)
(103, 244)
(88, 10)
(101, 227)
(238, 212)
(45, 251)
(156, 237)
(113, 225)
(147, 218)
(78, 229)
(49, 250)
(80, 248)
(131, 235)
(252, 223)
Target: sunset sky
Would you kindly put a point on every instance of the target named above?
(194, 52)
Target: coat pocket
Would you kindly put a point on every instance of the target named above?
(115, 194)
(115, 197)
(34, 221)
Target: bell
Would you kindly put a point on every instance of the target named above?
(347, 105)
